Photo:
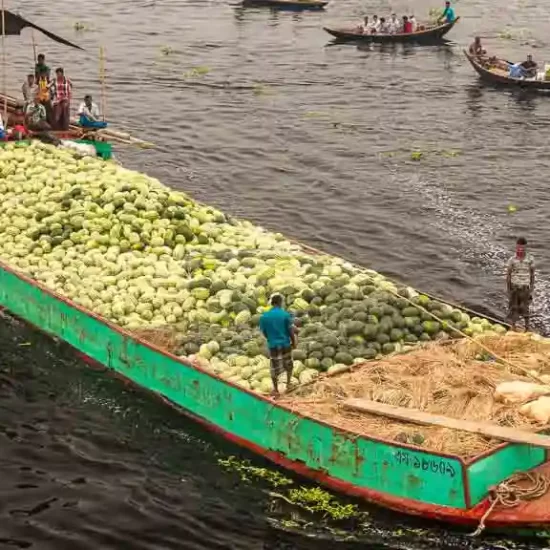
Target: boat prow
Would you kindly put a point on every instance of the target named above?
(500, 77)
(426, 36)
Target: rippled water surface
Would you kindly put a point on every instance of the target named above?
(256, 112)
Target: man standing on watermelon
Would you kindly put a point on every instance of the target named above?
(278, 328)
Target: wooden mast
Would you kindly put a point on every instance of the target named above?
(102, 80)
(4, 91)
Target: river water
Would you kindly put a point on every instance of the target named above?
(256, 112)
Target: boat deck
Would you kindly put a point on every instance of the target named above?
(443, 380)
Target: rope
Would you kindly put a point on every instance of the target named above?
(363, 270)
(473, 340)
(512, 492)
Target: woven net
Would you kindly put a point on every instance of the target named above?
(455, 380)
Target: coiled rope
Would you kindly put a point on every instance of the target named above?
(513, 491)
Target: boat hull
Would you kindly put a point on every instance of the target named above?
(285, 5)
(501, 80)
(397, 476)
(429, 36)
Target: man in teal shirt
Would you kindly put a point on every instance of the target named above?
(278, 328)
(448, 13)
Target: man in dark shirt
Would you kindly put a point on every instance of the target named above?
(530, 67)
(41, 68)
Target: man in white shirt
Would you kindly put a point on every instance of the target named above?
(520, 281)
(394, 24)
(375, 24)
(412, 19)
(29, 89)
(89, 116)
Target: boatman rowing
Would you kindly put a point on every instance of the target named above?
(448, 14)
(278, 328)
(520, 281)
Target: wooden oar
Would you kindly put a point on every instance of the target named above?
(415, 416)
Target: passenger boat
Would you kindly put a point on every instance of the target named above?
(500, 77)
(427, 35)
(398, 476)
(294, 5)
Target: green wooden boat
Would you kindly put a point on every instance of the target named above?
(390, 474)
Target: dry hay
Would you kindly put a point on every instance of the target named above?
(164, 337)
(456, 380)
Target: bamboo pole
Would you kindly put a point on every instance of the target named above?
(5, 117)
(102, 80)
(33, 46)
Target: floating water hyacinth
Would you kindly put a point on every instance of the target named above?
(261, 89)
(450, 153)
(510, 33)
(511, 209)
(417, 155)
(196, 72)
(167, 50)
(315, 114)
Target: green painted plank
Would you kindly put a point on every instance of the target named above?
(491, 470)
(365, 463)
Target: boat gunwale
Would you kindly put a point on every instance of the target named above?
(348, 34)
(297, 4)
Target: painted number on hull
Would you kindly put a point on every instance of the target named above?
(435, 465)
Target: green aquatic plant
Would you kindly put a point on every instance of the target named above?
(261, 89)
(505, 34)
(197, 72)
(246, 471)
(315, 114)
(434, 15)
(319, 501)
(314, 500)
(417, 155)
(167, 50)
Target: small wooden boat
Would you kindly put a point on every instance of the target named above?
(12, 24)
(500, 77)
(294, 5)
(425, 36)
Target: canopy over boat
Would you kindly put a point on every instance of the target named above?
(499, 76)
(12, 24)
(427, 35)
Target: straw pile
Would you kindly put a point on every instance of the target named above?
(163, 337)
(456, 380)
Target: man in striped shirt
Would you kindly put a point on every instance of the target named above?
(61, 92)
(520, 281)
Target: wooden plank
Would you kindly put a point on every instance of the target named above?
(415, 416)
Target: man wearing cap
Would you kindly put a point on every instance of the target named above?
(278, 328)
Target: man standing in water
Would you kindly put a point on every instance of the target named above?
(278, 328)
(520, 281)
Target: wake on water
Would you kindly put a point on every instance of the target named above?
(477, 234)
